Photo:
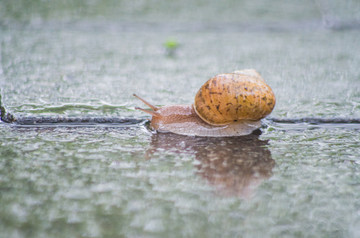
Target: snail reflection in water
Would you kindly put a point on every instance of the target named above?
(226, 105)
(235, 166)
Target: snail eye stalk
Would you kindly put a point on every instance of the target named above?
(146, 102)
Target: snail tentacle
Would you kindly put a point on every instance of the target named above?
(146, 102)
(153, 113)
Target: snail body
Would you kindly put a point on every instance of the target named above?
(226, 105)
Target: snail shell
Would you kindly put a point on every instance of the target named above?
(227, 98)
(226, 105)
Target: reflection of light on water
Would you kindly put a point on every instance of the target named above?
(235, 166)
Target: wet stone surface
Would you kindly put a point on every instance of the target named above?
(87, 59)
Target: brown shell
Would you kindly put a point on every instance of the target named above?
(241, 95)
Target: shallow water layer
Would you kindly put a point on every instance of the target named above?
(293, 180)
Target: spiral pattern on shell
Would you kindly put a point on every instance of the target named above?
(241, 95)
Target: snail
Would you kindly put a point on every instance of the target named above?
(230, 104)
